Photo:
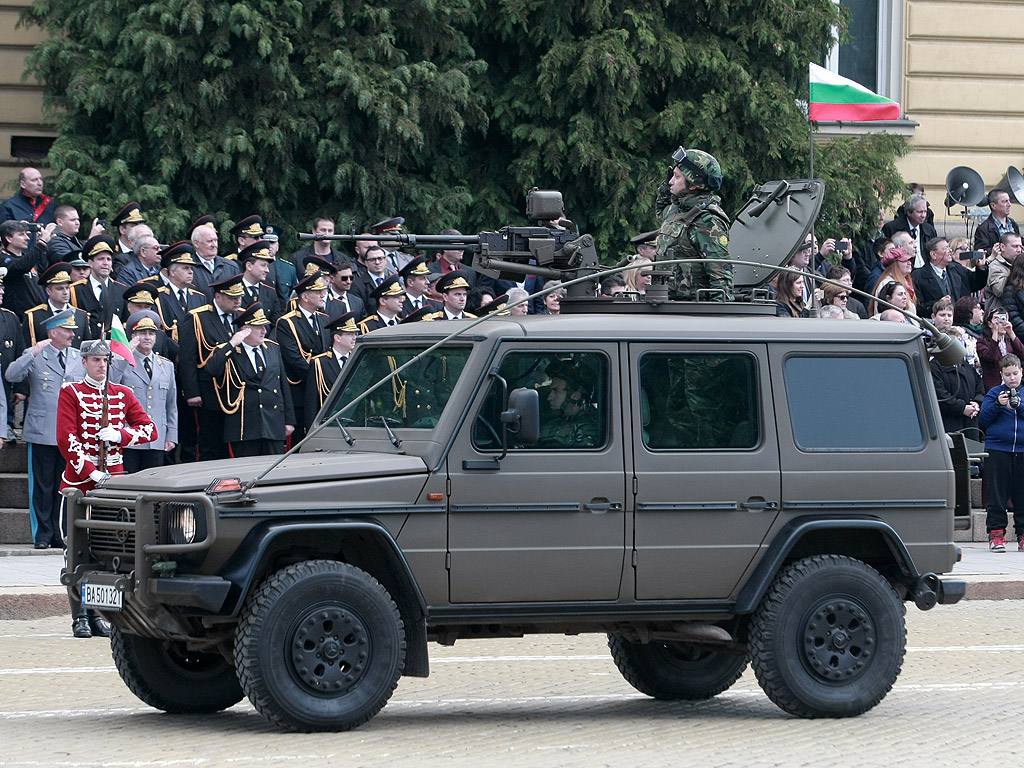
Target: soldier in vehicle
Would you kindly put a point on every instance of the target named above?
(571, 420)
(694, 226)
(325, 368)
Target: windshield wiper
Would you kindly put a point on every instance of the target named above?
(386, 422)
(342, 421)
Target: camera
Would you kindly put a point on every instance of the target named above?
(973, 255)
(35, 226)
(1014, 398)
(102, 223)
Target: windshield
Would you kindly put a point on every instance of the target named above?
(415, 398)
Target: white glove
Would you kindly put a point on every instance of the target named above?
(98, 475)
(109, 435)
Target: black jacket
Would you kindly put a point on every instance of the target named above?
(962, 282)
(987, 233)
(956, 386)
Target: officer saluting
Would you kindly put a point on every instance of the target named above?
(152, 382)
(251, 387)
(324, 369)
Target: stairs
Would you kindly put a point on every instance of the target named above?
(14, 522)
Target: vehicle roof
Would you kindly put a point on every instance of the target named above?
(662, 327)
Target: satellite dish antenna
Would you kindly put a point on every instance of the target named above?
(964, 186)
(1012, 183)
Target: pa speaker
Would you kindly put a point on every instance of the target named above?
(1011, 183)
(964, 186)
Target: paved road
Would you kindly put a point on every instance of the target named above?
(543, 701)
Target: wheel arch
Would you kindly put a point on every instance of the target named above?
(867, 539)
(365, 544)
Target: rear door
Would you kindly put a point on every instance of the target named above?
(706, 461)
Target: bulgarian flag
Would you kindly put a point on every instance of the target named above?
(835, 98)
(119, 341)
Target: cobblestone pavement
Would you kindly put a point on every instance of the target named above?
(541, 701)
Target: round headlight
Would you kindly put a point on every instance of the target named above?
(181, 523)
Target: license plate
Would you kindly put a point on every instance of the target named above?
(101, 596)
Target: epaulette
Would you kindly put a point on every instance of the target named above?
(35, 308)
(271, 341)
(293, 313)
(163, 289)
(470, 315)
(435, 315)
(204, 308)
(78, 282)
(328, 353)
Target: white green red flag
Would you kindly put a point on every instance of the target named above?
(835, 98)
(119, 341)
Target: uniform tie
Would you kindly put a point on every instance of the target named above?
(60, 359)
(227, 323)
(148, 366)
(258, 358)
(181, 298)
(313, 325)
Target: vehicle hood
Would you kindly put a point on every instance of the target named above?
(297, 468)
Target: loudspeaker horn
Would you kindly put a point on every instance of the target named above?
(964, 186)
(1013, 184)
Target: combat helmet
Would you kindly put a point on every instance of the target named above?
(699, 168)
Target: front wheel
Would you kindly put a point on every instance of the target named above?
(828, 638)
(675, 670)
(320, 647)
(168, 676)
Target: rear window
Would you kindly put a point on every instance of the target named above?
(853, 404)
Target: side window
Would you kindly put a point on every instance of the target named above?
(853, 404)
(573, 389)
(694, 400)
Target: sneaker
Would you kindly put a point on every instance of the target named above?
(1020, 542)
(997, 540)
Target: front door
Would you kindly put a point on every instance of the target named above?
(548, 523)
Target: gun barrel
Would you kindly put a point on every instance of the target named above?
(427, 242)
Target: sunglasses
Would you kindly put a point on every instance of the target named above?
(344, 277)
(842, 296)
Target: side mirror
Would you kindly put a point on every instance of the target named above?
(522, 418)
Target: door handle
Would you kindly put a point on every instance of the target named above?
(600, 507)
(759, 505)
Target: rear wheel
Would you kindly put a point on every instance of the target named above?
(168, 676)
(320, 647)
(828, 638)
(675, 670)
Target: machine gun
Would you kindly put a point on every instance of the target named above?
(552, 252)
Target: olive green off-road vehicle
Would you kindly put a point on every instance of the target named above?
(706, 484)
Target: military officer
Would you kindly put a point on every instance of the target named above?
(176, 299)
(694, 226)
(249, 375)
(646, 245)
(12, 344)
(325, 368)
(152, 382)
(95, 421)
(493, 307)
(56, 282)
(142, 296)
(396, 259)
(46, 365)
(246, 232)
(200, 414)
(254, 261)
(282, 275)
(124, 221)
(417, 283)
(454, 289)
(303, 334)
(389, 296)
(98, 295)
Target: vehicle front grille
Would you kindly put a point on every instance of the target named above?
(112, 542)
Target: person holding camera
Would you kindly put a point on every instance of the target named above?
(1004, 253)
(1002, 418)
(998, 340)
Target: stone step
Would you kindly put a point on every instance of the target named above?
(13, 490)
(14, 457)
(15, 527)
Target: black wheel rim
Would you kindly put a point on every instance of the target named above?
(329, 650)
(839, 640)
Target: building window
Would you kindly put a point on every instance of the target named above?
(873, 54)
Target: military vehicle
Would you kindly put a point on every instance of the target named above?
(706, 484)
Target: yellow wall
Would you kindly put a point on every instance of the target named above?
(963, 81)
(21, 101)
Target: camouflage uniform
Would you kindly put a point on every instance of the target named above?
(694, 226)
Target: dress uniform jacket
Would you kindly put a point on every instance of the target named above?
(375, 321)
(33, 330)
(157, 395)
(172, 314)
(324, 370)
(78, 420)
(268, 299)
(200, 336)
(12, 344)
(352, 303)
(45, 378)
(99, 311)
(409, 306)
(256, 406)
(299, 345)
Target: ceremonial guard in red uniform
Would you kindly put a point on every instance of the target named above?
(92, 448)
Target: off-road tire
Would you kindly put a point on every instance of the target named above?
(673, 671)
(170, 677)
(828, 639)
(320, 647)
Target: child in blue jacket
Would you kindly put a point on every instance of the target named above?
(1002, 418)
